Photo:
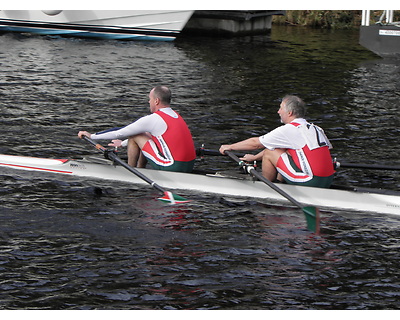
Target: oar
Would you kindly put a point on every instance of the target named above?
(207, 152)
(311, 213)
(339, 163)
(344, 164)
(168, 197)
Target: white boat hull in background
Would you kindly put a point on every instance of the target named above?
(110, 24)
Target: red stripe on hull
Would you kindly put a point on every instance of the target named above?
(35, 168)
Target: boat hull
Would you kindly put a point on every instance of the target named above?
(323, 198)
(383, 40)
(159, 25)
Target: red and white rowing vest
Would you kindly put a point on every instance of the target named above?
(175, 144)
(314, 159)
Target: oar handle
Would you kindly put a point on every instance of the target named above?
(209, 152)
(96, 145)
(235, 158)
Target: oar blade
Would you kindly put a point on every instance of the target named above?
(172, 198)
(312, 218)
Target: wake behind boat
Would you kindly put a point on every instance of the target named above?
(330, 199)
(162, 25)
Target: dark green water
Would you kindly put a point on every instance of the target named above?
(65, 245)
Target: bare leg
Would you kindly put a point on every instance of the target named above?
(269, 161)
(135, 145)
(133, 152)
(142, 161)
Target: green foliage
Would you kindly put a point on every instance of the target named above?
(330, 19)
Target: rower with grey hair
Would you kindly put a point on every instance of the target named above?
(298, 152)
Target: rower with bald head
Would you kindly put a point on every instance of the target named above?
(162, 138)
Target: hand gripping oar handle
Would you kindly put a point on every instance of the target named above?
(110, 154)
(311, 213)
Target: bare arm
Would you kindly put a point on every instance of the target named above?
(253, 157)
(248, 144)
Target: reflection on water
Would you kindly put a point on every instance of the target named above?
(69, 243)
